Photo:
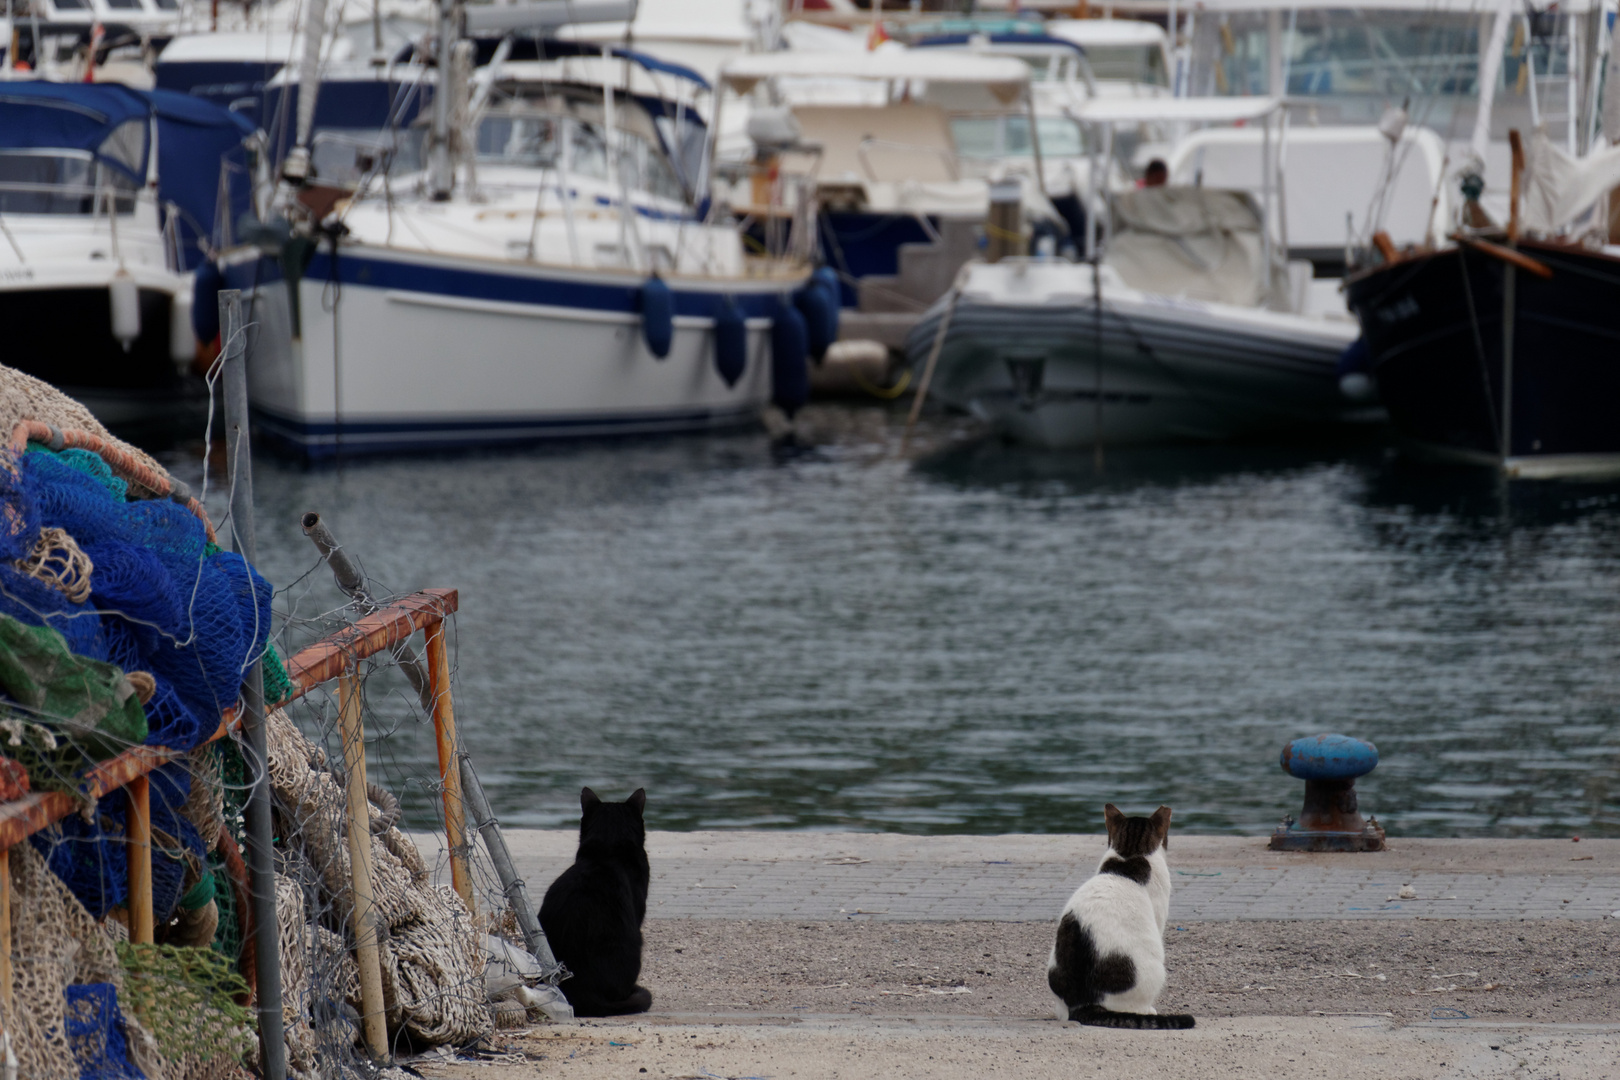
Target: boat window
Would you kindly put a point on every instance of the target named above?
(518, 140)
(646, 170)
(125, 5)
(688, 141)
(1381, 56)
(1132, 63)
(167, 5)
(126, 144)
(60, 182)
(1008, 136)
(587, 152)
(69, 5)
(345, 156)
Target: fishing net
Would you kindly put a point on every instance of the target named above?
(187, 998)
(95, 1033)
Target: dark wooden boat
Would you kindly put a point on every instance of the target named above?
(1508, 356)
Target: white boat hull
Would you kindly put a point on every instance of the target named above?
(1044, 369)
(413, 351)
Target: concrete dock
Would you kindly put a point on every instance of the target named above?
(776, 954)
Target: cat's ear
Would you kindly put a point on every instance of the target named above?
(588, 799)
(1161, 825)
(1112, 818)
(639, 800)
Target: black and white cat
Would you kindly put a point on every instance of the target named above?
(593, 912)
(1107, 965)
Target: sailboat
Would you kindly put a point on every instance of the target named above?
(551, 272)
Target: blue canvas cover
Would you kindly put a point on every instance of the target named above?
(196, 140)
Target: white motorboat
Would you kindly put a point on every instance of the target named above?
(1189, 325)
(547, 275)
(107, 198)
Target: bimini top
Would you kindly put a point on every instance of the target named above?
(111, 122)
(1004, 76)
(1195, 110)
(1107, 32)
(1033, 41)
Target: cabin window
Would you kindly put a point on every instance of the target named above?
(125, 5)
(69, 5)
(1131, 63)
(60, 182)
(587, 152)
(167, 5)
(518, 140)
(1008, 136)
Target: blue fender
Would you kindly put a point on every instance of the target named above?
(730, 343)
(657, 316)
(819, 306)
(790, 372)
(206, 284)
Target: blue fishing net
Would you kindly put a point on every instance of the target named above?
(193, 616)
(95, 1032)
(92, 857)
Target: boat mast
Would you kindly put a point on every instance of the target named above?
(296, 167)
(441, 170)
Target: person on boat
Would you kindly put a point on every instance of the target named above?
(1157, 174)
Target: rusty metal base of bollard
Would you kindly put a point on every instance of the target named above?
(1292, 836)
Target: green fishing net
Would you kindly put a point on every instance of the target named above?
(187, 999)
(69, 709)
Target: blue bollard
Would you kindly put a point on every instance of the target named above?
(1330, 819)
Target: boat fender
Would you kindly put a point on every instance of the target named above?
(1355, 373)
(730, 343)
(205, 287)
(125, 299)
(657, 316)
(182, 342)
(819, 305)
(790, 371)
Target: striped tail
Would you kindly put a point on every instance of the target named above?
(1096, 1016)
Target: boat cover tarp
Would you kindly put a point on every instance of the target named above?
(1194, 242)
(1559, 188)
(196, 141)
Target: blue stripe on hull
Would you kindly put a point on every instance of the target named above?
(324, 440)
(527, 288)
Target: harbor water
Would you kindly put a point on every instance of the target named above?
(962, 637)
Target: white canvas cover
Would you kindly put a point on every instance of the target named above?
(1194, 242)
(1559, 188)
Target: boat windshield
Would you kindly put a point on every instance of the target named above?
(1364, 60)
(546, 140)
(61, 182)
(1128, 63)
(1007, 136)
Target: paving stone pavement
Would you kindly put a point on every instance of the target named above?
(827, 876)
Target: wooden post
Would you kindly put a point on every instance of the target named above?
(1517, 148)
(5, 931)
(444, 730)
(364, 924)
(138, 842)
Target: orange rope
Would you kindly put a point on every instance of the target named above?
(120, 460)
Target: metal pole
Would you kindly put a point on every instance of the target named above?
(260, 845)
(353, 583)
(516, 895)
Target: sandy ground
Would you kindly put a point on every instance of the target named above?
(1546, 970)
(769, 999)
(1330, 1048)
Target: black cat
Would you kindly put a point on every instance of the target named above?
(592, 914)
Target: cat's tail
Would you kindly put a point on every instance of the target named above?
(1097, 1016)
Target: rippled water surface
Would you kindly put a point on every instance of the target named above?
(984, 639)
